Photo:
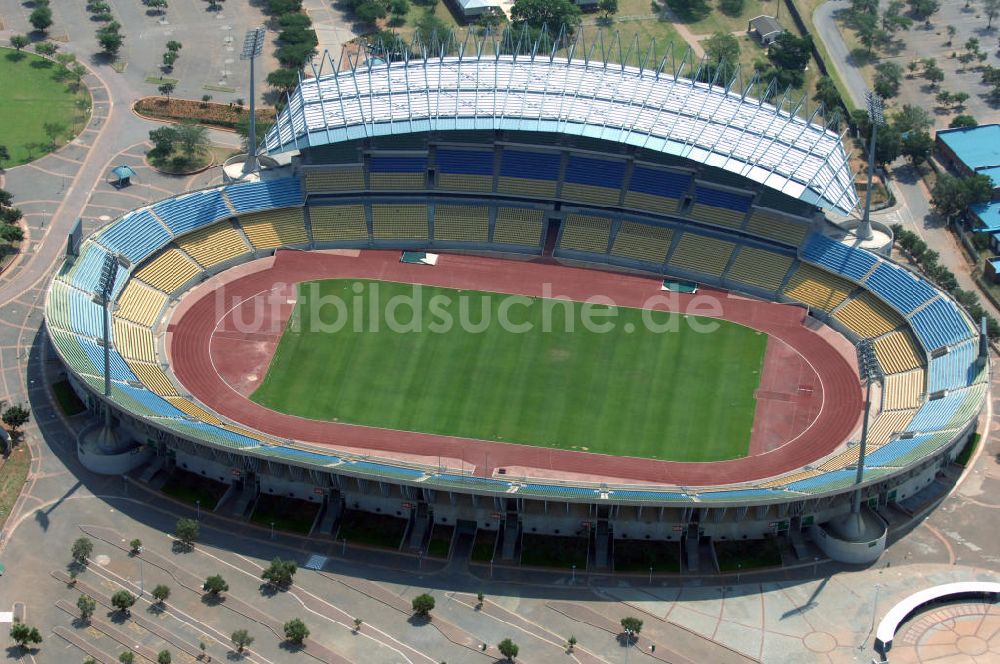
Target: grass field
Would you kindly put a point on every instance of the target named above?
(33, 96)
(680, 395)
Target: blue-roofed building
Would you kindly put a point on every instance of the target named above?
(972, 150)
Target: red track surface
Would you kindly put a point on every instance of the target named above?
(220, 364)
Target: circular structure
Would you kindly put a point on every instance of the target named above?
(540, 179)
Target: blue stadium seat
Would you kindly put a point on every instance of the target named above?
(86, 273)
(818, 481)
(939, 324)
(119, 370)
(655, 496)
(838, 257)
(383, 469)
(893, 450)
(325, 459)
(595, 172)
(722, 199)
(136, 236)
(86, 316)
(533, 165)
(939, 413)
(265, 195)
(898, 287)
(956, 369)
(386, 164)
(144, 401)
(559, 490)
(213, 433)
(464, 162)
(734, 494)
(659, 183)
(192, 211)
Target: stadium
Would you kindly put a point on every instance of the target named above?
(563, 181)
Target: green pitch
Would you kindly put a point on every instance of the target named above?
(682, 395)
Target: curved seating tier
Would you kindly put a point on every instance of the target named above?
(586, 233)
(898, 351)
(903, 390)
(397, 173)
(838, 257)
(759, 268)
(642, 242)
(331, 179)
(399, 222)
(140, 303)
(265, 194)
(776, 226)
(700, 253)
(817, 288)
(273, 229)
(461, 223)
(867, 316)
(518, 226)
(168, 271)
(192, 211)
(338, 223)
(958, 368)
(213, 244)
(464, 170)
(136, 236)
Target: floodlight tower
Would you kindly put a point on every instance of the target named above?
(253, 45)
(105, 288)
(876, 117)
(871, 372)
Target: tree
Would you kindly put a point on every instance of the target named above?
(922, 10)
(241, 639)
(87, 605)
(508, 649)
(135, 546)
(19, 42)
(960, 121)
(912, 118)
(827, 93)
(731, 7)
(166, 89)
(17, 415)
(918, 146)
(933, 74)
(23, 635)
(632, 626)
(423, 604)
(214, 585)
(357, 624)
(888, 76)
(370, 11)
(54, 130)
(951, 195)
(41, 18)
(6, 198)
(870, 31)
(46, 48)
(888, 145)
(609, 7)
(296, 631)
(163, 657)
(169, 58)
(163, 140)
(81, 550)
(283, 79)
(186, 531)
(790, 56)
(571, 642)
(174, 46)
(4, 155)
(123, 601)
(893, 18)
(991, 8)
(10, 233)
(959, 99)
(551, 13)
(722, 47)
(127, 657)
(110, 40)
(161, 593)
(191, 138)
(158, 6)
(280, 572)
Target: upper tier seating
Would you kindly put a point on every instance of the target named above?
(69, 345)
(959, 368)
(265, 194)
(399, 222)
(948, 412)
(585, 233)
(656, 190)
(213, 244)
(95, 352)
(887, 424)
(397, 173)
(642, 242)
(349, 178)
(338, 223)
(774, 226)
(898, 287)
(759, 267)
(192, 409)
(85, 272)
(277, 228)
(464, 170)
(699, 253)
(867, 316)
(817, 288)
(153, 377)
(898, 352)
(904, 451)
(137, 235)
(140, 303)
(192, 211)
(518, 226)
(838, 257)
(722, 208)
(939, 324)
(461, 223)
(903, 390)
(168, 271)
(134, 342)
(74, 310)
(595, 181)
(529, 173)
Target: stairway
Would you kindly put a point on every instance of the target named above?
(511, 535)
(691, 547)
(602, 545)
(331, 514)
(420, 528)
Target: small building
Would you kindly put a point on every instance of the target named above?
(473, 9)
(993, 270)
(766, 29)
(971, 150)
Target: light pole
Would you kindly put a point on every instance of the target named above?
(650, 575)
(876, 117)
(491, 568)
(739, 568)
(272, 530)
(253, 45)
(573, 578)
(198, 505)
(142, 584)
(870, 371)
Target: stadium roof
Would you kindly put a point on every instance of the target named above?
(715, 125)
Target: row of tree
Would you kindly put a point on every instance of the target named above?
(109, 34)
(297, 43)
(10, 231)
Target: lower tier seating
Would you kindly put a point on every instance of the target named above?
(897, 352)
(463, 182)
(518, 226)
(656, 204)
(887, 423)
(134, 342)
(717, 216)
(817, 288)
(903, 390)
(759, 267)
(462, 223)
(585, 233)
(868, 316)
(776, 227)
(168, 271)
(340, 179)
(398, 181)
(338, 223)
(140, 303)
(527, 187)
(276, 228)
(192, 409)
(585, 193)
(699, 253)
(642, 242)
(399, 222)
(213, 244)
(152, 377)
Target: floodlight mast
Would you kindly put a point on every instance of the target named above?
(871, 372)
(253, 46)
(876, 117)
(105, 288)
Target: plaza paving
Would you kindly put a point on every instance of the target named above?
(821, 612)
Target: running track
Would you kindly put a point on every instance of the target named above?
(198, 367)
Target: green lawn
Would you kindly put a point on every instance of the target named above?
(680, 395)
(33, 96)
